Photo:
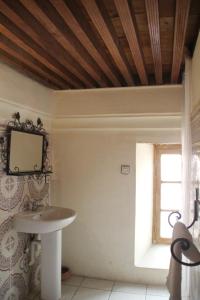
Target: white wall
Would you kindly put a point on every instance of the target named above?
(101, 241)
(116, 101)
(94, 133)
(144, 200)
(194, 79)
(18, 91)
(32, 100)
(89, 150)
(196, 74)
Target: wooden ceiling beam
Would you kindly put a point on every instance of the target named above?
(35, 55)
(22, 68)
(47, 42)
(31, 16)
(99, 43)
(75, 26)
(152, 11)
(69, 77)
(81, 16)
(181, 20)
(103, 25)
(129, 27)
(48, 17)
(8, 46)
(29, 65)
(16, 25)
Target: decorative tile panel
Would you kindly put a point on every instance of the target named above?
(38, 189)
(12, 245)
(14, 288)
(17, 278)
(11, 191)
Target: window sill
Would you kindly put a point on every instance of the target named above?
(156, 257)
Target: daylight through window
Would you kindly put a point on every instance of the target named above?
(167, 189)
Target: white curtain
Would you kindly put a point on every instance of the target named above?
(186, 154)
(191, 179)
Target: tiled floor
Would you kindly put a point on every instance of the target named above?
(80, 288)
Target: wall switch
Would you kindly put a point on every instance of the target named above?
(125, 169)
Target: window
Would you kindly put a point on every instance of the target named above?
(167, 189)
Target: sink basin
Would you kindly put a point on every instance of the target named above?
(49, 222)
(44, 220)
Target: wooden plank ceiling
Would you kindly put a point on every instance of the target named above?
(78, 44)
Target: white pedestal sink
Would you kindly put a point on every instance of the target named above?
(47, 221)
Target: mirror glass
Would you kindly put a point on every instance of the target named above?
(26, 152)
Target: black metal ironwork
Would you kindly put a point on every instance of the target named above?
(3, 152)
(196, 211)
(28, 127)
(179, 216)
(184, 245)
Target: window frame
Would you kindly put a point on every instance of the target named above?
(160, 149)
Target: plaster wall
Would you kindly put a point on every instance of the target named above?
(195, 76)
(24, 93)
(17, 278)
(144, 199)
(94, 132)
(119, 101)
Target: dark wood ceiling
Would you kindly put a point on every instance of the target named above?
(75, 44)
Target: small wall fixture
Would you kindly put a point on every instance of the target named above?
(125, 169)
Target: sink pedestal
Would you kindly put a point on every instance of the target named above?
(47, 221)
(51, 266)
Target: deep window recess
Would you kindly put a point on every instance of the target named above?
(167, 189)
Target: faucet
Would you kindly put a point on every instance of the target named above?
(34, 205)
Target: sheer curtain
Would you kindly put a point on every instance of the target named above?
(187, 158)
(191, 179)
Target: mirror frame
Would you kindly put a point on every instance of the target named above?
(28, 127)
(18, 172)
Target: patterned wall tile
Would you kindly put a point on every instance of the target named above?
(4, 192)
(25, 203)
(16, 276)
(16, 191)
(11, 191)
(11, 245)
(3, 277)
(15, 271)
(5, 261)
(38, 189)
(14, 288)
(5, 251)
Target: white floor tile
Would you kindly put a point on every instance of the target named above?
(73, 280)
(151, 297)
(98, 284)
(68, 291)
(130, 288)
(158, 290)
(91, 294)
(125, 296)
